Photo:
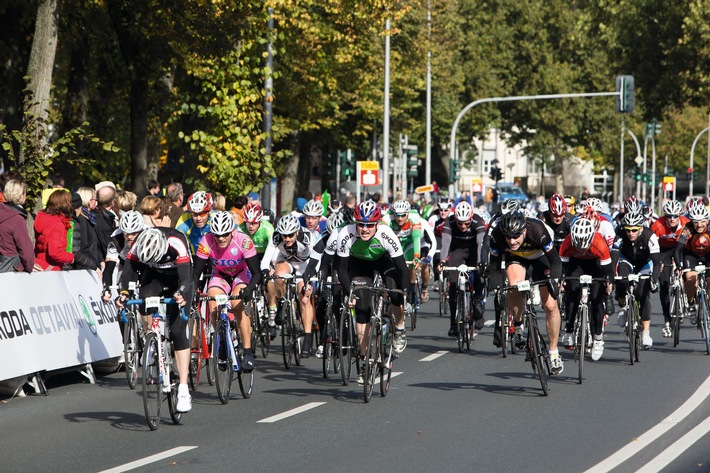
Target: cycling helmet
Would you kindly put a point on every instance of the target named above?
(512, 224)
(335, 220)
(463, 211)
(509, 205)
(570, 200)
(445, 203)
(693, 202)
(252, 213)
(347, 213)
(288, 224)
(558, 205)
(582, 233)
(334, 205)
(633, 219)
(368, 211)
(595, 203)
(131, 222)
(199, 202)
(542, 207)
(698, 212)
(633, 205)
(222, 223)
(313, 208)
(384, 207)
(151, 245)
(673, 207)
(580, 207)
(401, 207)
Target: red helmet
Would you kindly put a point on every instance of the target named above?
(252, 213)
(591, 214)
(199, 202)
(368, 211)
(558, 205)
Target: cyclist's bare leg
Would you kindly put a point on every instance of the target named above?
(182, 359)
(363, 334)
(516, 273)
(552, 317)
(307, 311)
(691, 285)
(425, 276)
(399, 315)
(213, 291)
(243, 321)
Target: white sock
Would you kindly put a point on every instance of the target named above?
(182, 388)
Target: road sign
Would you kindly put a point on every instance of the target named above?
(668, 183)
(668, 187)
(476, 185)
(423, 189)
(369, 165)
(368, 177)
(638, 160)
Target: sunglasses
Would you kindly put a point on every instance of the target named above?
(513, 237)
(202, 214)
(221, 237)
(400, 215)
(632, 229)
(464, 224)
(289, 235)
(366, 225)
(672, 215)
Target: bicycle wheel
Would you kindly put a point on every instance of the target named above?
(246, 380)
(676, 311)
(460, 319)
(172, 395)
(536, 355)
(580, 346)
(328, 341)
(371, 362)
(345, 347)
(131, 351)
(222, 361)
(262, 326)
(194, 330)
(386, 356)
(443, 301)
(297, 337)
(705, 330)
(287, 340)
(152, 387)
(416, 300)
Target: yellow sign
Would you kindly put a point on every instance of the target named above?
(423, 189)
(369, 165)
(667, 179)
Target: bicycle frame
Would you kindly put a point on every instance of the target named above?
(463, 317)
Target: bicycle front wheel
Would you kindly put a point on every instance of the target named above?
(345, 347)
(416, 300)
(152, 386)
(443, 300)
(632, 323)
(535, 347)
(581, 341)
(287, 340)
(676, 314)
(246, 380)
(705, 330)
(461, 319)
(386, 356)
(195, 331)
(131, 350)
(172, 395)
(328, 342)
(222, 361)
(371, 362)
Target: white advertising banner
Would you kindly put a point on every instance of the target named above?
(52, 320)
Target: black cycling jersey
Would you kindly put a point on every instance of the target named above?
(638, 253)
(453, 238)
(561, 230)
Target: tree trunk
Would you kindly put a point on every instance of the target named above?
(139, 135)
(39, 70)
(288, 179)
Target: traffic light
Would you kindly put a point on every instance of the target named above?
(625, 89)
(496, 174)
(412, 161)
(455, 173)
(652, 129)
(637, 174)
(347, 164)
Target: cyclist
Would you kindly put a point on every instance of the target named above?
(364, 249)
(258, 229)
(429, 248)
(558, 218)
(129, 227)
(461, 241)
(668, 229)
(601, 225)
(636, 250)
(160, 259)
(584, 251)
(436, 221)
(313, 218)
(407, 225)
(693, 248)
(196, 223)
(288, 252)
(235, 271)
(525, 243)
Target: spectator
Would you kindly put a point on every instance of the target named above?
(253, 196)
(88, 204)
(8, 176)
(86, 252)
(105, 216)
(126, 200)
(350, 202)
(176, 196)
(154, 211)
(238, 209)
(154, 187)
(219, 202)
(57, 182)
(52, 233)
(15, 242)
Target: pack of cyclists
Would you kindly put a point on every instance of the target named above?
(210, 253)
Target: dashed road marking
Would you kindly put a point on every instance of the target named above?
(151, 459)
(290, 413)
(434, 356)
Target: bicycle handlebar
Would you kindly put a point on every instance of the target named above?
(151, 302)
(525, 285)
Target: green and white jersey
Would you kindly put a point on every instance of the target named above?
(384, 241)
(261, 237)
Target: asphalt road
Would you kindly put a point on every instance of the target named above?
(446, 411)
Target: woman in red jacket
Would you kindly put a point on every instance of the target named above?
(52, 227)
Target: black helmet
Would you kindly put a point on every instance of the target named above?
(513, 224)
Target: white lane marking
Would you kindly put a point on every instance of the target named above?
(151, 459)
(679, 446)
(434, 356)
(394, 373)
(489, 323)
(290, 413)
(655, 432)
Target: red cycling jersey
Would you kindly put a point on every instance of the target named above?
(667, 237)
(597, 250)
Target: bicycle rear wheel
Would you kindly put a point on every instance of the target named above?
(222, 361)
(460, 319)
(416, 300)
(705, 330)
(535, 347)
(580, 346)
(152, 387)
(635, 333)
(172, 395)
(195, 333)
(345, 347)
(676, 311)
(131, 350)
(443, 297)
(287, 341)
(329, 358)
(246, 380)
(386, 356)
(371, 362)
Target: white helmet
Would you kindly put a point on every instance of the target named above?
(131, 222)
(581, 206)
(463, 211)
(287, 225)
(335, 220)
(199, 202)
(582, 233)
(509, 205)
(313, 208)
(595, 203)
(151, 246)
(698, 212)
(222, 223)
(673, 207)
(401, 207)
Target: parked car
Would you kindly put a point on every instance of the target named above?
(508, 190)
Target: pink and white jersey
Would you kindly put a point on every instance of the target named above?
(230, 260)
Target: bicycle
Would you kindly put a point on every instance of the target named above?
(535, 346)
(200, 352)
(132, 338)
(678, 305)
(291, 326)
(330, 331)
(702, 296)
(416, 297)
(505, 323)
(256, 309)
(633, 319)
(159, 372)
(443, 293)
(379, 351)
(463, 305)
(227, 353)
(348, 348)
